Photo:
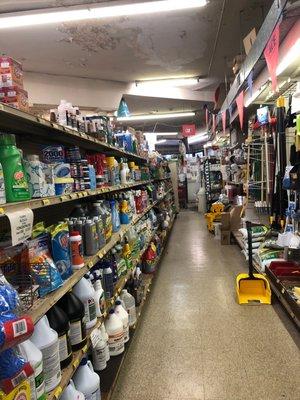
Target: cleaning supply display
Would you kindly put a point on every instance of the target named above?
(16, 185)
(75, 311)
(86, 293)
(87, 381)
(59, 321)
(115, 331)
(71, 393)
(35, 357)
(129, 302)
(46, 340)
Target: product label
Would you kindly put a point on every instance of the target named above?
(39, 381)
(19, 182)
(2, 188)
(90, 310)
(77, 332)
(21, 223)
(64, 347)
(116, 342)
(53, 154)
(51, 364)
(99, 356)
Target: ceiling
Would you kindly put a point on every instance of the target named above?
(138, 47)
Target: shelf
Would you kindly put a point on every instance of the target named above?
(42, 305)
(24, 124)
(50, 201)
(116, 362)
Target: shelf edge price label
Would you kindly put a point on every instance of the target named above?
(46, 202)
(57, 392)
(90, 264)
(75, 363)
(63, 198)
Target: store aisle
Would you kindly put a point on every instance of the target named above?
(195, 342)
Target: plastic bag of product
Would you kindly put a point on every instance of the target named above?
(42, 266)
(266, 256)
(61, 249)
(257, 231)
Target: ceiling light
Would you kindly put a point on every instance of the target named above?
(160, 141)
(161, 133)
(201, 137)
(291, 56)
(168, 82)
(148, 117)
(150, 7)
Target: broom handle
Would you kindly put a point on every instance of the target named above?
(249, 234)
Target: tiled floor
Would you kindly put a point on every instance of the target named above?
(195, 343)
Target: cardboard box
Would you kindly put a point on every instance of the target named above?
(225, 237)
(14, 96)
(225, 221)
(11, 72)
(235, 218)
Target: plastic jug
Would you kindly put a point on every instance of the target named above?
(59, 321)
(122, 313)
(35, 357)
(99, 352)
(114, 328)
(71, 393)
(46, 340)
(99, 294)
(108, 284)
(87, 381)
(129, 302)
(86, 293)
(16, 185)
(105, 337)
(74, 308)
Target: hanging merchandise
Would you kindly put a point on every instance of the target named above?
(123, 110)
(59, 321)
(75, 310)
(99, 346)
(16, 185)
(129, 302)
(123, 315)
(114, 328)
(46, 340)
(35, 357)
(263, 115)
(240, 106)
(87, 381)
(71, 393)
(86, 293)
(76, 250)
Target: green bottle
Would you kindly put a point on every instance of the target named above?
(16, 185)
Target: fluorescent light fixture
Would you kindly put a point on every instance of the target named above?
(149, 117)
(168, 82)
(51, 17)
(292, 55)
(201, 137)
(160, 141)
(161, 133)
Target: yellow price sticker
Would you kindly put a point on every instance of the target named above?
(75, 363)
(46, 202)
(2, 210)
(85, 348)
(73, 195)
(80, 194)
(84, 193)
(63, 198)
(90, 264)
(100, 255)
(57, 392)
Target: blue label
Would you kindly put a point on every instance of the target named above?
(53, 154)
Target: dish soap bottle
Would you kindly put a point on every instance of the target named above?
(16, 185)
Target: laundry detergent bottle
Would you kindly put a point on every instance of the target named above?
(35, 357)
(71, 393)
(87, 381)
(16, 185)
(46, 339)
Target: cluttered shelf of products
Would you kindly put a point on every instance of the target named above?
(37, 203)
(27, 125)
(41, 306)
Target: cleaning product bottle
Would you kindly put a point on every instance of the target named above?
(71, 393)
(46, 340)
(76, 250)
(100, 231)
(130, 306)
(127, 254)
(114, 328)
(105, 337)
(2, 186)
(116, 224)
(99, 352)
(35, 357)
(99, 294)
(74, 308)
(91, 238)
(123, 174)
(87, 381)
(108, 283)
(86, 293)
(16, 185)
(122, 313)
(59, 321)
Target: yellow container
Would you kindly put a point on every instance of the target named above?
(110, 161)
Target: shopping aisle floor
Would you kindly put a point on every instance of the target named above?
(195, 343)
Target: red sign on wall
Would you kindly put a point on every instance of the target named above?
(188, 130)
(271, 55)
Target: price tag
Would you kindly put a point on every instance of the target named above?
(100, 255)
(85, 349)
(90, 264)
(84, 193)
(73, 195)
(2, 210)
(63, 198)
(46, 202)
(282, 290)
(80, 194)
(75, 363)
(57, 392)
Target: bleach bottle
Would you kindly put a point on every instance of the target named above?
(99, 352)
(129, 302)
(87, 381)
(122, 313)
(114, 328)
(71, 393)
(86, 293)
(105, 337)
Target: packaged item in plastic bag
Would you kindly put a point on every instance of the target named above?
(61, 249)
(42, 266)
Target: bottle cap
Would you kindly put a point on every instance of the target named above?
(111, 311)
(118, 302)
(83, 361)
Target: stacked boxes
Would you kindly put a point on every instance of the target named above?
(12, 92)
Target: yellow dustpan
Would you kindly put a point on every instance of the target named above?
(252, 288)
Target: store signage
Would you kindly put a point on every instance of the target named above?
(224, 120)
(240, 106)
(21, 223)
(188, 130)
(271, 56)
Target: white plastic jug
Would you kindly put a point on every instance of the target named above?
(105, 337)
(71, 393)
(122, 313)
(130, 306)
(86, 293)
(46, 339)
(99, 352)
(99, 295)
(87, 381)
(114, 328)
(35, 357)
